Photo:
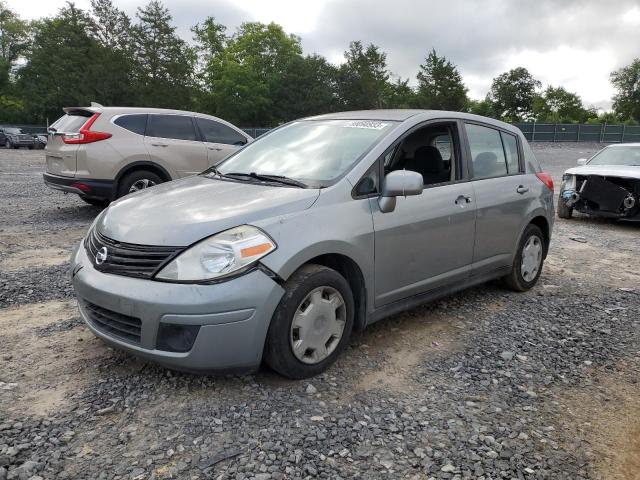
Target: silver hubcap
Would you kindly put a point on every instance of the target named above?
(141, 184)
(531, 258)
(318, 325)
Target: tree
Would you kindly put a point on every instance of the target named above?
(14, 36)
(400, 94)
(60, 67)
(626, 102)
(164, 62)
(481, 107)
(115, 63)
(558, 105)
(440, 85)
(512, 95)
(363, 78)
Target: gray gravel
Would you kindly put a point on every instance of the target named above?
(484, 384)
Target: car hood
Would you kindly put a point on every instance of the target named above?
(606, 171)
(182, 212)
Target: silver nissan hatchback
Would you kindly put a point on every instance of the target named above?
(316, 229)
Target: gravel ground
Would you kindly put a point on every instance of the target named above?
(484, 384)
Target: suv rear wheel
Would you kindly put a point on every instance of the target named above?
(527, 265)
(312, 323)
(137, 180)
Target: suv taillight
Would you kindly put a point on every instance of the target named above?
(546, 179)
(85, 135)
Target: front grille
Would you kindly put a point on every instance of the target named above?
(113, 323)
(127, 259)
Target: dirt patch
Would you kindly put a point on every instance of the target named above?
(33, 258)
(605, 423)
(42, 387)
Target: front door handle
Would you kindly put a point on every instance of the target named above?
(522, 189)
(462, 200)
(217, 149)
(159, 145)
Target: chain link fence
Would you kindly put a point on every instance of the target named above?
(579, 132)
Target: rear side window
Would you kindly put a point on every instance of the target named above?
(134, 123)
(215, 132)
(70, 123)
(511, 151)
(487, 153)
(179, 127)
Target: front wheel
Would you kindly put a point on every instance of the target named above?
(563, 211)
(312, 324)
(527, 264)
(9, 144)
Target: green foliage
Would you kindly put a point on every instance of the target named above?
(557, 105)
(512, 95)
(363, 78)
(440, 85)
(164, 62)
(256, 76)
(626, 102)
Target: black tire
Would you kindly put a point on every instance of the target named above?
(96, 202)
(278, 350)
(129, 179)
(30, 147)
(9, 144)
(563, 211)
(514, 280)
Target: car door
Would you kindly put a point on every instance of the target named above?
(220, 139)
(171, 139)
(426, 242)
(502, 194)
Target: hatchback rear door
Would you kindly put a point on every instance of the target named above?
(171, 139)
(220, 139)
(61, 157)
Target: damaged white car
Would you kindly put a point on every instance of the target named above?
(606, 185)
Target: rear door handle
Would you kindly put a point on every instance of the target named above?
(217, 149)
(462, 200)
(159, 145)
(522, 189)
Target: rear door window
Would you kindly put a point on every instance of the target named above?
(511, 151)
(136, 123)
(179, 127)
(216, 132)
(487, 153)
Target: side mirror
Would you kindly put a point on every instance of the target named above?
(582, 161)
(399, 183)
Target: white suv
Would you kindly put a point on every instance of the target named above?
(102, 153)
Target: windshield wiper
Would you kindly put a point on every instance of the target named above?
(267, 178)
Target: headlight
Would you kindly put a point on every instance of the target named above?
(568, 182)
(219, 255)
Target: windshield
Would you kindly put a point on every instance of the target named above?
(13, 131)
(313, 152)
(627, 155)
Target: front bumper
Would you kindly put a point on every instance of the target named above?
(82, 186)
(233, 316)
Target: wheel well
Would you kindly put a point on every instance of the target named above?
(543, 225)
(134, 167)
(350, 270)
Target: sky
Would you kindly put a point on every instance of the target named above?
(571, 43)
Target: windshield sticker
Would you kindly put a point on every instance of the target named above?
(371, 125)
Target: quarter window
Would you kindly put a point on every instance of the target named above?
(487, 152)
(134, 123)
(216, 132)
(179, 127)
(511, 150)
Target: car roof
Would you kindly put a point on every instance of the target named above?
(401, 115)
(631, 144)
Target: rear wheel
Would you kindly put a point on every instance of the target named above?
(96, 202)
(138, 180)
(312, 323)
(527, 265)
(9, 144)
(563, 211)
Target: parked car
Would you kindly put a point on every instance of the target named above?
(102, 153)
(40, 141)
(317, 228)
(14, 137)
(606, 185)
